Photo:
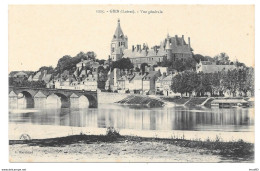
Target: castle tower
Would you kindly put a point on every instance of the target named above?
(168, 48)
(119, 43)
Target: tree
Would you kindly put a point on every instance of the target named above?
(49, 69)
(100, 69)
(137, 69)
(64, 63)
(69, 63)
(178, 84)
(222, 58)
(91, 55)
(123, 63)
(101, 61)
(198, 58)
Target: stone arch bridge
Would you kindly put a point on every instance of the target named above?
(36, 97)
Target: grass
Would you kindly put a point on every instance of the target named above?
(142, 101)
(236, 150)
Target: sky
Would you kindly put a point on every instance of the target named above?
(39, 35)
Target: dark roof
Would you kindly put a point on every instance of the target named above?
(118, 35)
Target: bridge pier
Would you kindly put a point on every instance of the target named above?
(40, 100)
(74, 101)
(39, 97)
(13, 100)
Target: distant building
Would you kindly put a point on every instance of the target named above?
(38, 76)
(89, 83)
(136, 83)
(20, 74)
(111, 83)
(170, 48)
(162, 70)
(46, 77)
(211, 67)
(118, 44)
(149, 82)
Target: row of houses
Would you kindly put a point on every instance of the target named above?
(151, 82)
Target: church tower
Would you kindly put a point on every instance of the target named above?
(118, 44)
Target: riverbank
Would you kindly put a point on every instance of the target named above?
(52, 131)
(116, 148)
(141, 100)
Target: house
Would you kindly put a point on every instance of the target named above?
(149, 81)
(158, 83)
(123, 83)
(211, 67)
(20, 74)
(90, 83)
(46, 77)
(167, 86)
(162, 70)
(38, 76)
(136, 83)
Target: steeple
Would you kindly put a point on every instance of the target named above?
(118, 33)
(119, 43)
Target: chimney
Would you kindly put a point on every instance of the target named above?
(133, 48)
(137, 46)
(182, 40)
(176, 39)
(189, 41)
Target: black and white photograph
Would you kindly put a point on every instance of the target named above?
(131, 83)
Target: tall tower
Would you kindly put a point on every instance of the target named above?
(119, 43)
(168, 48)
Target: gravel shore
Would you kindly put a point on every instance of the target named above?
(119, 150)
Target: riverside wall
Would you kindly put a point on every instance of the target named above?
(107, 97)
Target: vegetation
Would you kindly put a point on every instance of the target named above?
(25, 83)
(237, 80)
(123, 63)
(235, 150)
(179, 64)
(69, 63)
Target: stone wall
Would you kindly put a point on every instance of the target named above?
(106, 97)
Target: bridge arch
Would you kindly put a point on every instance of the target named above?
(64, 101)
(25, 99)
(93, 103)
(83, 102)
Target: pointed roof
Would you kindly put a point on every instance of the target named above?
(74, 95)
(118, 33)
(12, 94)
(40, 94)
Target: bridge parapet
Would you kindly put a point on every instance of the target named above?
(64, 94)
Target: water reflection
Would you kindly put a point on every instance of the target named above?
(177, 118)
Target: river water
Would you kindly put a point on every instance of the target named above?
(125, 117)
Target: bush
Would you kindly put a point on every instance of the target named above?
(112, 133)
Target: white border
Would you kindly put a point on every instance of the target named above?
(4, 164)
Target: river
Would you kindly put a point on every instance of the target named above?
(124, 117)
